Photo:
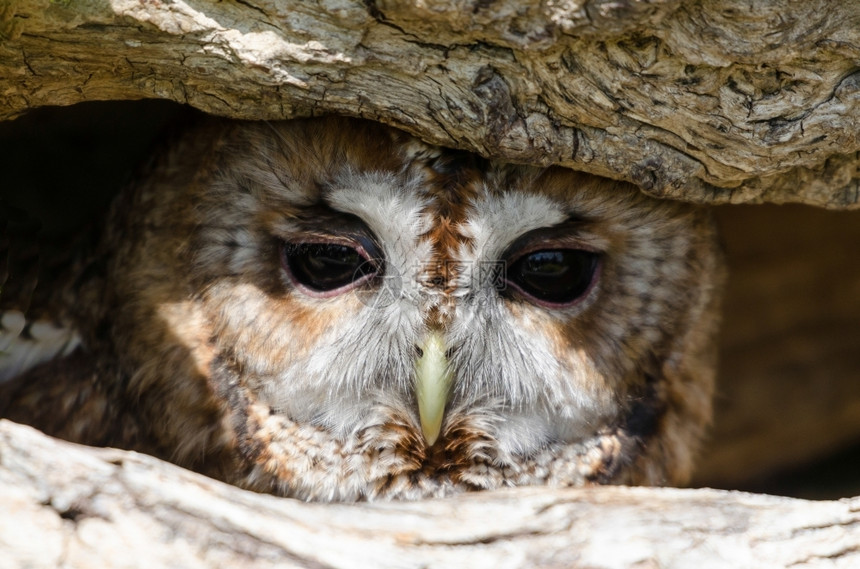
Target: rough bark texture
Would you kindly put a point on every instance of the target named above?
(73, 506)
(715, 102)
(711, 102)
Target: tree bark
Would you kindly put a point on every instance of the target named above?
(72, 506)
(709, 102)
(712, 102)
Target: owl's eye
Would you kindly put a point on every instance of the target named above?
(555, 276)
(326, 267)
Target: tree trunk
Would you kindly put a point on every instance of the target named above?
(709, 102)
(73, 506)
(712, 102)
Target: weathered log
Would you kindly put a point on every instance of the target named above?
(711, 102)
(71, 506)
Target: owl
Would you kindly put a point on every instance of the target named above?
(333, 310)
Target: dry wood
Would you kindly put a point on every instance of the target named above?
(712, 102)
(732, 101)
(71, 506)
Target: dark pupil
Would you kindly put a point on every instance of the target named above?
(554, 275)
(326, 266)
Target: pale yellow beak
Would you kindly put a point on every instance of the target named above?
(432, 382)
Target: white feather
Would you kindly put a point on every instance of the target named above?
(44, 341)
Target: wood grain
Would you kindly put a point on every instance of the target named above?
(712, 102)
(73, 506)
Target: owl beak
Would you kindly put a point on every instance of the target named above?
(432, 382)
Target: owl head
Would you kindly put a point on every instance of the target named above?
(333, 310)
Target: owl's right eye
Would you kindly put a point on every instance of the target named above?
(326, 268)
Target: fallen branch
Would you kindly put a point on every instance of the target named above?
(71, 506)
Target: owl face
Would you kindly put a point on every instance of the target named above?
(347, 313)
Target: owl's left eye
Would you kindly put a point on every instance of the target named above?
(554, 276)
(326, 267)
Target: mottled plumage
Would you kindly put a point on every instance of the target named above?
(259, 303)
